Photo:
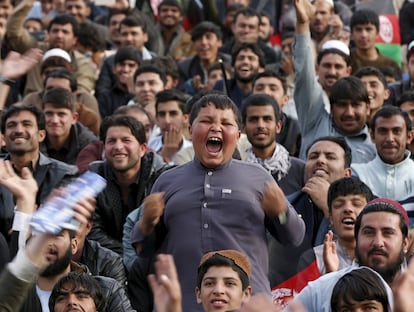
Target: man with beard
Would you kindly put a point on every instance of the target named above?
(129, 171)
(381, 235)
(247, 61)
(172, 39)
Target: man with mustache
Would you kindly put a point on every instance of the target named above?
(389, 174)
(381, 235)
(349, 101)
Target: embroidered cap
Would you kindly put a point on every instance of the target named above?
(396, 205)
(237, 257)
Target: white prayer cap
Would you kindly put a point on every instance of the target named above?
(57, 53)
(336, 44)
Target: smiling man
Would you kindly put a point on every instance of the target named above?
(389, 174)
(215, 202)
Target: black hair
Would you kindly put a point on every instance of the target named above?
(59, 98)
(218, 260)
(205, 27)
(387, 112)
(348, 186)
(90, 37)
(322, 53)
(260, 100)
(341, 142)
(380, 207)
(247, 11)
(65, 74)
(167, 63)
(359, 285)
(173, 3)
(271, 73)
(63, 19)
(254, 47)
(17, 109)
(220, 101)
(407, 96)
(136, 127)
(372, 71)
(149, 68)
(349, 88)
(364, 16)
(171, 95)
(134, 21)
(78, 281)
(128, 53)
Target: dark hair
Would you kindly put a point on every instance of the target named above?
(260, 100)
(254, 47)
(128, 53)
(63, 74)
(380, 207)
(341, 142)
(218, 260)
(171, 95)
(389, 71)
(246, 11)
(168, 64)
(349, 88)
(55, 61)
(173, 3)
(35, 19)
(359, 285)
(364, 16)
(233, 7)
(217, 66)
(149, 68)
(220, 101)
(90, 37)
(322, 53)
(407, 96)
(125, 109)
(387, 112)
(63, 19)
(205, 27)
(134, 21)
(271, 73)
(79, 281)
(348, 186)
(136, 127)
(17, 109)
(372, 71)
(59, 98)
(113, 12)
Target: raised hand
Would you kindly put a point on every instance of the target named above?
(153, 209)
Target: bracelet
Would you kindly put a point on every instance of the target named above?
(8, 82)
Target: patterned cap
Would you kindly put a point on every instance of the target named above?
(237, 257)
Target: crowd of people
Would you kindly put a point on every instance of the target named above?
(258, 155)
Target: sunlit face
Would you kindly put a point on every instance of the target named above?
(272, 87)
(59, 121)
(78, 9)
(169, 16)
(380, 243)
(22, 134)
(376, 91)
(133, 36)
(74, 298)
(221, 290)
(215, 134)
(331, 68)
(206, 47)
(122, 149)
(391, 138)
(348, 116)
(169, 116)
(344, 211)
(246, 28)
(147, 85)
(364, 36)
(323, 14)
(326, 159)
(246, 65)
(62, 36)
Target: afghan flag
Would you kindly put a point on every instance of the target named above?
(388, 40)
